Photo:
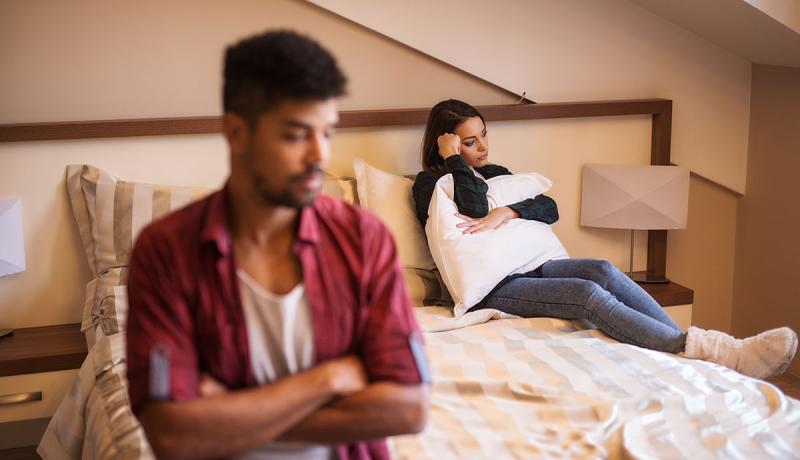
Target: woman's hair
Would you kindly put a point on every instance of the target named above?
(444, 118)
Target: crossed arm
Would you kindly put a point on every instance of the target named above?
(328, 404)
(471, 200)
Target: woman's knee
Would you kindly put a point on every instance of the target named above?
(590, 293)
(600, 271)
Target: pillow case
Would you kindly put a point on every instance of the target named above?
(389, 197)
(472, 265)
(110, 213)
(340, 187)
(105, 310)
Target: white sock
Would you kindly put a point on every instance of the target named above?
(764, 355)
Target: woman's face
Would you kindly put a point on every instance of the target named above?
(474, 142)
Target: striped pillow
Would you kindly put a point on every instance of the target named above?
(110, 212)
(105, 311)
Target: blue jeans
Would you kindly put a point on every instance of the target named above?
(593, 290)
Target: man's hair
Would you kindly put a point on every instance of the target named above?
(267, 69)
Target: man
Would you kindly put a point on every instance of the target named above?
(266, 322)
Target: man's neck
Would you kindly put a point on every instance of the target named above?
(259, 224)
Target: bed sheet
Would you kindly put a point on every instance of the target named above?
(548, 388)
(511, 388)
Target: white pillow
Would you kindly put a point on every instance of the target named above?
(472, 265)
(389, 197)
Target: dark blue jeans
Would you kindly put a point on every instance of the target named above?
(593, 290)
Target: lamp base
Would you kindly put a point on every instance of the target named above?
(647, 277)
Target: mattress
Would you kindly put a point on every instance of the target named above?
(510, 388)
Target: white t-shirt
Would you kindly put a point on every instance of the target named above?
(281, 342)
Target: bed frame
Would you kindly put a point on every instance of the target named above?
(659, 109)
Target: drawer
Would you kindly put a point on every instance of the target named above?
(52, 385)
(681, 314)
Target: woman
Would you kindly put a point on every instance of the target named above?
(456, 143)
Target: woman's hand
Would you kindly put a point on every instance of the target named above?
(494, 219)
(449, 145)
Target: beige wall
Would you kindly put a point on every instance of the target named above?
(608, 49)
(767, 292)
(586, 50)
(383, 74)
(702, 256)
(94, 59)
(106, 59)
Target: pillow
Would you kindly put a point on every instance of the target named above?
(110, 213)
(472, 265)
(67, 435)
(105, 310)
(426, 288)
(340, 187)
(389, 197)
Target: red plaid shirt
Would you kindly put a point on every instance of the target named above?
(184, 298)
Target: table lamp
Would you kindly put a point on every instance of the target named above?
(635, 197)
(12, 246)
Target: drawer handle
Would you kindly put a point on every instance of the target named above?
(7, 400)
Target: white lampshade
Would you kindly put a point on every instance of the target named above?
(637, 197)
(12, 246)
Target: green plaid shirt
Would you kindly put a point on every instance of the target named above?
(470, 193)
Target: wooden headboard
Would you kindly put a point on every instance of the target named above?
(659, 109)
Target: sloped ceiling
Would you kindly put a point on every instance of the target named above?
(739, 26)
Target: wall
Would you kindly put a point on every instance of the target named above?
(51, 290)
(702, 255)
(587, 50)
(383, 74)
(767, 274)
(149, 58)
(153, 59)
(608, 49)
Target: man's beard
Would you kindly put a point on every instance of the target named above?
(286, 197)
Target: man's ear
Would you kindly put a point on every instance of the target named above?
(236, 131)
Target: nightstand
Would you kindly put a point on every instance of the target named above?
(677, 301)
(37, 367)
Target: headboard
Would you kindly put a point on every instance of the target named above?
(660, 111)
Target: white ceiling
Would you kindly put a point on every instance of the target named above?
(736, 25)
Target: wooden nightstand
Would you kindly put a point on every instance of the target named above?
(37, 367)
(677, 301)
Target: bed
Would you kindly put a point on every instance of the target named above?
(503, 387)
